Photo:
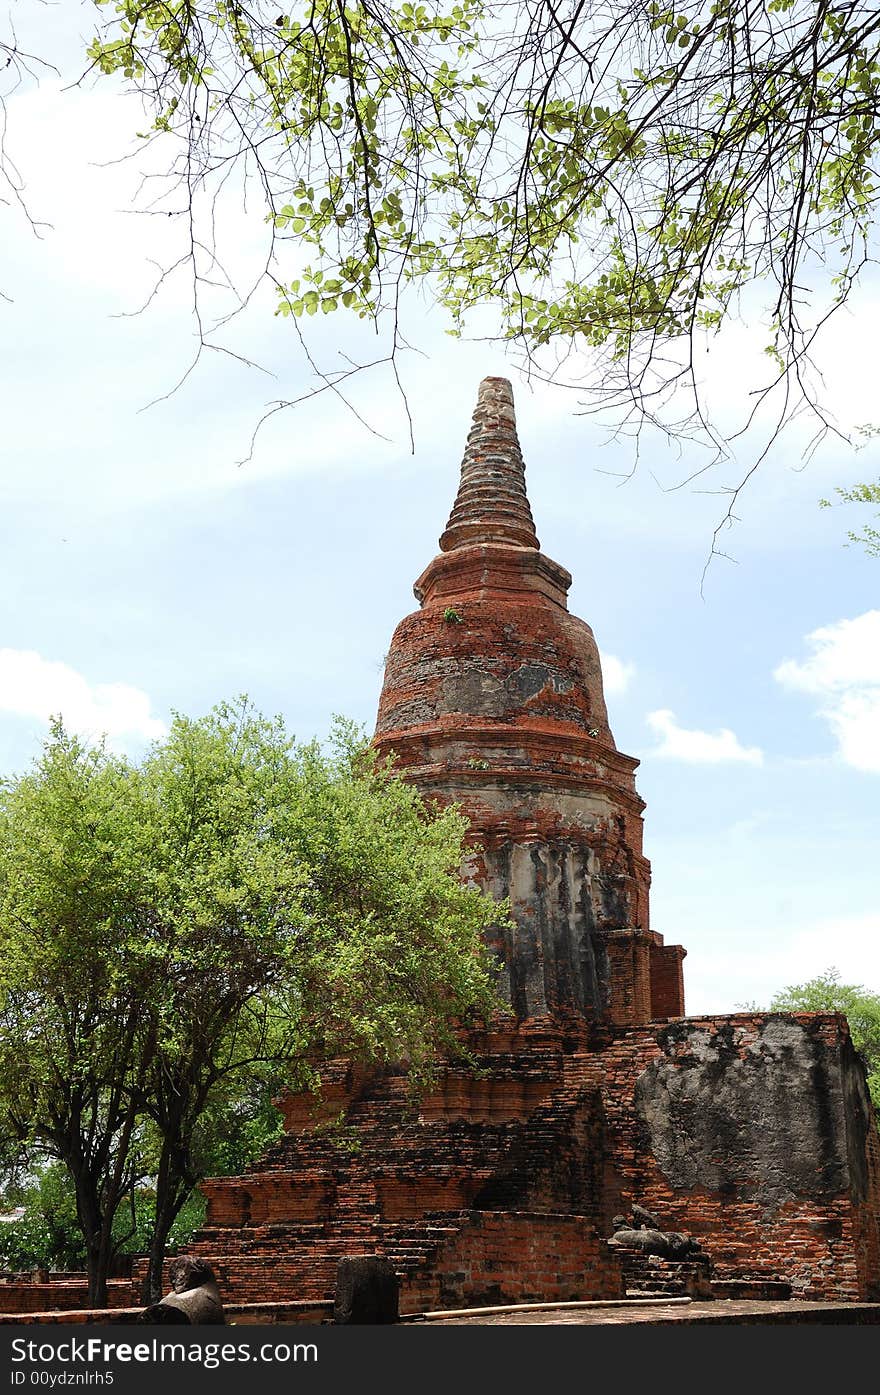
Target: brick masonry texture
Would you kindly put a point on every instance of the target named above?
(500, 1185)
(488, 1189)
(61, 1294)
(755, 1134)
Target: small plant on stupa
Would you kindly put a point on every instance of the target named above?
(451, 616)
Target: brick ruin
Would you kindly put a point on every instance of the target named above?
(753, 1132)
(493, 699)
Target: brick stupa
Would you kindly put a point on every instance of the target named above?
(753, 1133)
(493, 699)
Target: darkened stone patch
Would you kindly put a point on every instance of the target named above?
(366, 1291)
(828, 1229)
(530, 679)
(501, 1192)
(860, 1119)
(762, 1120)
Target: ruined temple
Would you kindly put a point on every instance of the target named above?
(751, 1134)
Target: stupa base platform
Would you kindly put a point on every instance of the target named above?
(751, 1133)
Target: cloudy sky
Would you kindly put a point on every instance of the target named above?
(145, 569)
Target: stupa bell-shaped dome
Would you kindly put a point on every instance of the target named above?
(493, 641)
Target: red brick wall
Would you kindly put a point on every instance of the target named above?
(502, 1186)
(629, 976)
(866, 1225)
(516, 1258)
(260, 1199)
(826, 1245)
(61, 1295)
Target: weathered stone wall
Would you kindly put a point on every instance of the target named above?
(753, 1133)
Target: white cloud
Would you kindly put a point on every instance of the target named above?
(726, 969)
(31, 686)
(845, 655)
(698, 747)
(616, 674)
(843, 670)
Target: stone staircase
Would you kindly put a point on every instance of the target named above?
(650, 1276)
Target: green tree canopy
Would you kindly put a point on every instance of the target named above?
(232, 905)
(73, 977)
(612, 181)
(609, 177)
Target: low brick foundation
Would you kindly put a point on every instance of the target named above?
(516, 1257)
(60, 1295)
(237, 1315)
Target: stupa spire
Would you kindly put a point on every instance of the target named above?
(491, 505)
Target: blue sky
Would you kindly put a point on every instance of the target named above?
(145, 570)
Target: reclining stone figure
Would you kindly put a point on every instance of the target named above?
(667, 1244)
(643, 1233)
(194, 1291)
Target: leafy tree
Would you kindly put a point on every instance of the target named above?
(141, 1223)
(307, 900)
(28, 1243)
(859, 1005)
(72, 979)
(869, 537)
(610, 177)
(172, 932)
(222, 898)
(47, 1236)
